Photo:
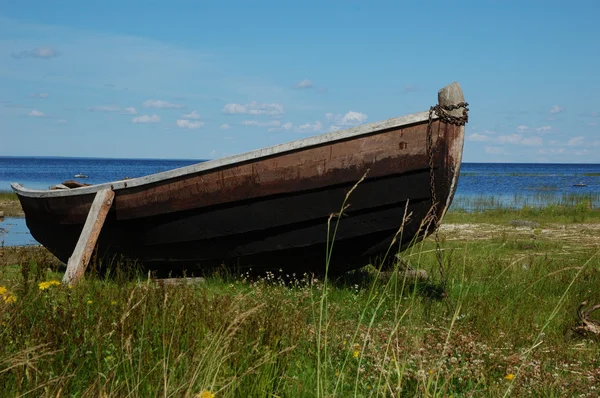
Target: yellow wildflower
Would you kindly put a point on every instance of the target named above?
(9, 299)
(355, 353)
(509, 376)
(113, 302)
(430, 371)
(48, 284)
(89, 301)
(205, 394)
(3, 290)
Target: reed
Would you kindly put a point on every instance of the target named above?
(542, 198)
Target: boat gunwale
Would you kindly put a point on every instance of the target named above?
(266, 152)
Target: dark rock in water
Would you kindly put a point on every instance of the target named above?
(524, 223)
(3, 231)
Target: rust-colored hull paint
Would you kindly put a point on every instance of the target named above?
(270, 212)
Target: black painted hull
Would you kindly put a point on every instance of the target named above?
(294, 238)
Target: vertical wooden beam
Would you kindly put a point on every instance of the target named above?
(82, 254)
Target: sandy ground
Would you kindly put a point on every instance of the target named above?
(11, 208)
(586, 235)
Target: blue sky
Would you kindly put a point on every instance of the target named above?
(203, 79)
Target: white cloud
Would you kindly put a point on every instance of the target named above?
(284, 127)
(40, 52)
(576, 141)
(522, 128)
(105, 108)
(159, 104)
(543, 129)
(146, 119)
(551, 151)
(494, 150)
(261, 124)
(532, 141)
(225, 126)
(517, 139)
(113, 108)
(556, 109)
(253, 108)
(39, 95)
(306, 83)
(511, 139)
(348, 120)
(61, 121)
(317, 126)
(192, 115)
(478, 137)
(36, 113)
(188, 124)
(353, 118)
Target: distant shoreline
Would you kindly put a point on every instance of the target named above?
(205, 160)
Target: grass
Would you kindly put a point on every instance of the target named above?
(581, 212)
(506, 327)
(9, 204)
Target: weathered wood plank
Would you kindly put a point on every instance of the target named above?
(80, 258)
(180, 281)
(292, 146)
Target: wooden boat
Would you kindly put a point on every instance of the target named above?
(269, 208)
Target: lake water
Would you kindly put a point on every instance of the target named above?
(481, 185)
(14, 232)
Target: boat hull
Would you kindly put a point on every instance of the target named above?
(272, 212)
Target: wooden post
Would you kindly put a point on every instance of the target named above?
(82, 254)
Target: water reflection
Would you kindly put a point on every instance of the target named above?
(14, 232)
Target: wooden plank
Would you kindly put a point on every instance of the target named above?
(82, 254)
(292, 146)
(180, 281)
